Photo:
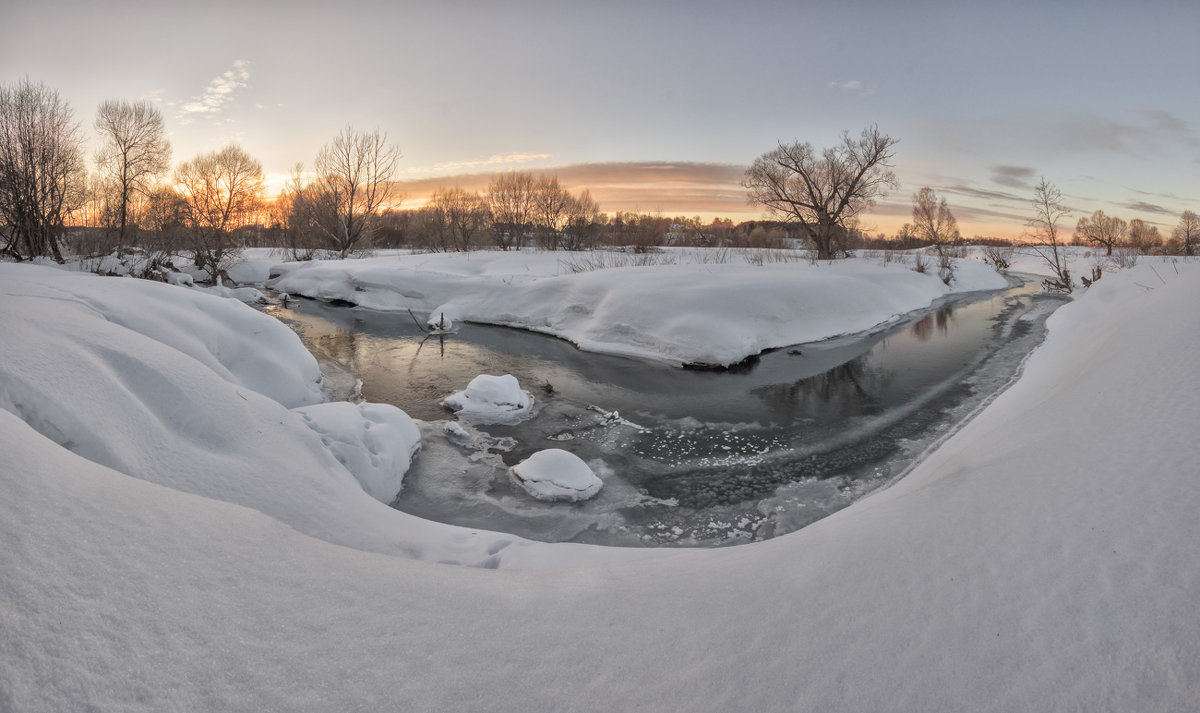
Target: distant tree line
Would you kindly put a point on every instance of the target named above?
(212, 206)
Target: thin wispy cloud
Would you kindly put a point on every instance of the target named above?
(219, 92)
(1013, 176)
(492, 162)
(853, 85)
(1144, 207)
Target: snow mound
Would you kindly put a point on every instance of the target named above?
(492, 399)
(555, 474)
(376, 442)
(238, 343)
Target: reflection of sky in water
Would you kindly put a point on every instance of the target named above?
(740, 452)
(833, 379)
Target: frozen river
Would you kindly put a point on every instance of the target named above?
(688, 457)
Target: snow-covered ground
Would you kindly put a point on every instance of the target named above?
(684, 310)
(175, 538)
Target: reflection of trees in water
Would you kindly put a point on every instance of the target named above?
(940, 321)
(853, 384)
(342, 345)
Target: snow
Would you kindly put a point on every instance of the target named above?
(174, 540)
(249, 295)
(235, 342)
(492, 399)
(555, 474)
(376, 442)
(689, 311)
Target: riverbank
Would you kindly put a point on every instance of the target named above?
(680, 306)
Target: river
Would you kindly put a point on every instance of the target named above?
(696, 458)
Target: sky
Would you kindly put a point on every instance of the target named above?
(660, 106)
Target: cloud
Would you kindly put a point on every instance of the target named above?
(673, 188)
(1144, 207)
(853, 85)
(1013, 176)
(1158, 133)
(971, 192)
(495, 160)
(219, 92)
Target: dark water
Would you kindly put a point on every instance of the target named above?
(688, 457)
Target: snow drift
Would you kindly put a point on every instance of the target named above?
(1043, 558)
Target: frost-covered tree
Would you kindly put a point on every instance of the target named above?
(824, 191)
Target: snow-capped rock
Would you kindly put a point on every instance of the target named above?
(555, 474)
(492, 399)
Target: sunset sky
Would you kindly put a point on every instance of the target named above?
(659, 106)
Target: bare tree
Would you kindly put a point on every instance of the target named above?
(823, 192)
(221, 191)
(134, 150)
(1102, 230)
(464, 215)
(1187, 232)
(1048, 210)
(42, 176)
(353, 184)
(932, 219)
(582, 228)
(512, 198)
(552, 204)
(1142, 237)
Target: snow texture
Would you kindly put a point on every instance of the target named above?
(492, 399)
(555, 474)
(172, 540)
(376, 442)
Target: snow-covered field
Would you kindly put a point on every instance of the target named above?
(176, 537)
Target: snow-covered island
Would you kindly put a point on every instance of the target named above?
(182, 527)
(682, 309)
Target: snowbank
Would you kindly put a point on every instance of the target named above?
(1043, 558)
(132, 375)
(555, 474)
(235, 342)
(685, 312)
(492, 399)
(376, 442)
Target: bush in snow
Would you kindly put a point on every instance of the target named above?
(555, 474)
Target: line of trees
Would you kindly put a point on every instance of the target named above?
(207, 206)
(213, 204)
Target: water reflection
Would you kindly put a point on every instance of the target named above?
(940, 321)
(853, 386)
(696, 455)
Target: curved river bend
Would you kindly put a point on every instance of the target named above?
(687, 457)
